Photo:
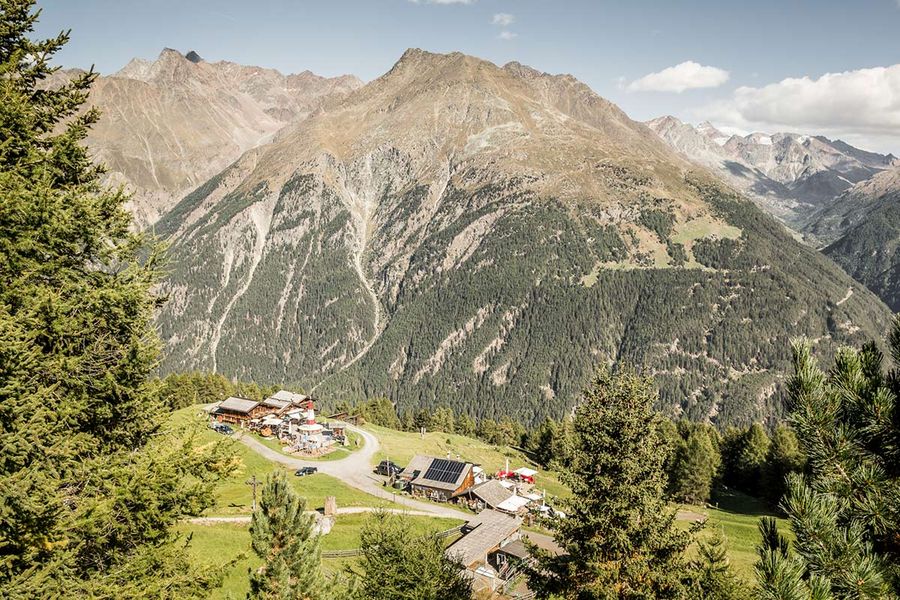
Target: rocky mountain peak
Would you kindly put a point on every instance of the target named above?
(193, 57)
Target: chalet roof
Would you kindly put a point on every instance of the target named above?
(274, 402)
(487, 531)
(513, 504)
(438, 473)
(491, 492)
(238, 405)
(286, 396)
(517, 549)
(418, 464)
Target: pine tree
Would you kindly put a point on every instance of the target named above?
(696, 464)
(713, 577)
(845, 513)
(542, 440)
(619, 536)
(91, 483)
(784, 458)
(442, 420)
(465, 425)
(284, 536)
(398, 564)
(751, 459)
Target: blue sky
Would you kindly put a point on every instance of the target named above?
(744, 65)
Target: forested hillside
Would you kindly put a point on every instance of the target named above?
(862, 231)
(464, 234)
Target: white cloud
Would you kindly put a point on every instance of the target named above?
(506, 19)
(861, 105)
(685, 76)
(507, 35)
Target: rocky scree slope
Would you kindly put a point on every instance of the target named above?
(170, 124)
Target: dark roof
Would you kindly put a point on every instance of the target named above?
(274, 402)
(439, 473)
(516, 548)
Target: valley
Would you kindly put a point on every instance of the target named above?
(454, 327)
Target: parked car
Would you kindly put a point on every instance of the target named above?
(388, 468)
(303, 471)
(221, 428)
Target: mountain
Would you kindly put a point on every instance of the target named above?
(788, 174)
(861, 230)
(460, 233)
(169, 125)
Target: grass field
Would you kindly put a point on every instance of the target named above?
(219, 544)
(738, 517)
(401, 446)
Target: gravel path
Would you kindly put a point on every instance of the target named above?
(356, 471)
(347, 510)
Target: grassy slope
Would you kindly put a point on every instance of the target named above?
(400, 446)
(738, 517)
(737, 514)
(221, 543)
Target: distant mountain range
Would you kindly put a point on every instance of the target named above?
(789, 175)
(169, 125)
(860, 230)
(461, 233)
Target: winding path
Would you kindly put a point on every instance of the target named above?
(356, 471)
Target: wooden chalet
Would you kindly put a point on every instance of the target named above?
(488, 494)
(483, 536)
(438, 478)
(238, 411)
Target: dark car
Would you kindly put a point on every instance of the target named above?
(388, 468)
(222, 428)
(303, 471)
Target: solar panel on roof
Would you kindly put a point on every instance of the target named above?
(445, 471)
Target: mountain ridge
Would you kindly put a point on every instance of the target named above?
(459, 232)
(790, 175)
(172, 123)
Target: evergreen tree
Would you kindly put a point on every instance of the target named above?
(91, 481)
(542, 440)
(442, 420)
(563, 441)
(713, 577)
(380, 411)
(397, 564)
(284, 536)
(732, 442)
(845, 512)
(695, 467)
(422, 419)
(620, 537)
(407, 421)
(784, 458)
(751, 459)
(465, 425)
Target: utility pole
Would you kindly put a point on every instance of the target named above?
(252, 482)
